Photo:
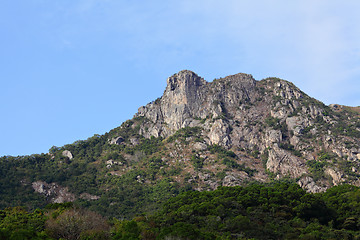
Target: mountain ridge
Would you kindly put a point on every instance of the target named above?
(198, 135)
(189, 99)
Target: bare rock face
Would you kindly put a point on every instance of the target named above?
(68, 154)
(296, 124)
(284, 163)
(182, 98)
(200, 146)
(188, 98)
(234, 179)
(270, 118)
(117, 140)
(310, 186)
(219, 133)
(286, 90)
(57, 194)
(53, 192)
(336, 176)
(273, 136)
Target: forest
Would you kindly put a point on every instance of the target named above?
(276, 210)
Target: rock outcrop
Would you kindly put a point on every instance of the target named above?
(188, 99)
(68, 154)
(271, 117)
(58, 194)
(53, 192)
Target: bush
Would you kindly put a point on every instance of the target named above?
(73, 223)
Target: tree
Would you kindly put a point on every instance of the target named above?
(75, 223)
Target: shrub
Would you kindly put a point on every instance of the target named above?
(73, 223)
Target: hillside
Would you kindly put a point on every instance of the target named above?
(279, 210)
(198, 135)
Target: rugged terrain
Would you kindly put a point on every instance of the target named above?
(270, 125)
(199, 135)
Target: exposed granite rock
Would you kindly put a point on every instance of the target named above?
(219, 133)
(233, 112)
(110, 163)
(68, 154)
(204, 176)
(53, 192)
(284, 163)
(200, 146)
(234, 179)
(272, 136)
(297, 124)
(309, 185)
(117, 140)
(188, 97)
(336, 176)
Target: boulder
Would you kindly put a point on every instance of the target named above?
(68, 154)
(53, 192)
(117, 140)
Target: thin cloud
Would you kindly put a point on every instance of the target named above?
(309, 43)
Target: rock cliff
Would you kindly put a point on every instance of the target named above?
(294, 133)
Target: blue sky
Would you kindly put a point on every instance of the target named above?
(74, 68)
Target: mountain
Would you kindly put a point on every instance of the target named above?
(199, 135)
(271, 120)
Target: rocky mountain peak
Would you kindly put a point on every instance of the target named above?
(182, 93)
(184, 81)
(188, 98)
(271, 118)
(240, 78)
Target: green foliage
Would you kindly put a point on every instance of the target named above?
(264, 157)
(306, 132)
(76, 224)
(155, 163)
(276, 124)
(291, 148)
(222, 152)
(126, 230)
(147, 146)
(280, 210)
(228, 158)
(232, 164)
(197, 161)
(184, 133)
(16, 223)
(346, 129)
(316, 169)
(180, 230)
(325, 156)
(221, 175)
(233, 210)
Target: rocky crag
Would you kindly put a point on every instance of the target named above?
(272, 126)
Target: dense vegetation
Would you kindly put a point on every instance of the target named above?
(280, 210)
(121, 185)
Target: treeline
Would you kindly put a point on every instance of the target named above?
(280, 210)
